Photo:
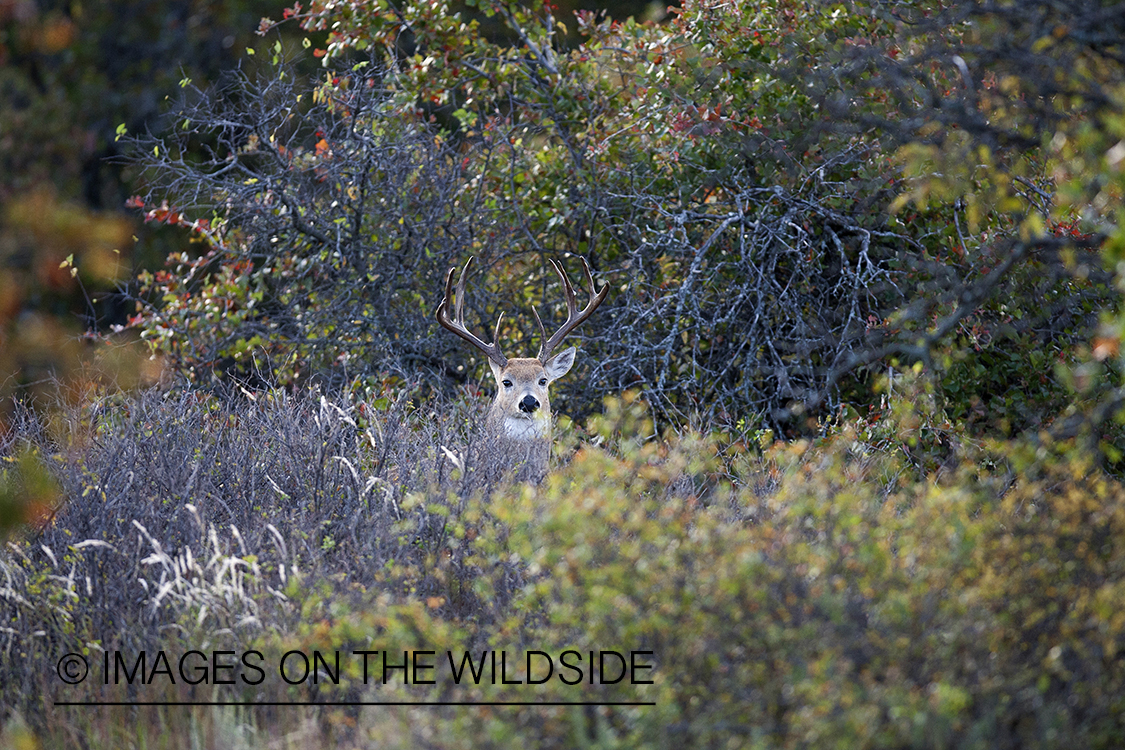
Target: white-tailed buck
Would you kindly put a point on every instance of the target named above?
(520, 416)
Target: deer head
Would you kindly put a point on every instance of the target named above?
(522, 407)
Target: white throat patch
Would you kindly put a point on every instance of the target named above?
(526, 428)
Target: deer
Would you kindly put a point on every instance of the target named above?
(519, 420)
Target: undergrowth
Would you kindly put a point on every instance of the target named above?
(879, 587)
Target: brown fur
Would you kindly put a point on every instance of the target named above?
(526, 432)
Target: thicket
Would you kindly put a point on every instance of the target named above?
(804, 594)
(782, 198)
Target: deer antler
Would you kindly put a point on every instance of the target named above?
(573, 317)
(457, 325)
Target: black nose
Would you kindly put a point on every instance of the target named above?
(529, 404)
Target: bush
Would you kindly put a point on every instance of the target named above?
(776, 207)
(810, 594)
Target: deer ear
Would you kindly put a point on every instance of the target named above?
(496, 370)
(560, 364)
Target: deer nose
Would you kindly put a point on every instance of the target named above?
(529, 404)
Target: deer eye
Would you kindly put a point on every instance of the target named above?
(507, 383)
(543, 381)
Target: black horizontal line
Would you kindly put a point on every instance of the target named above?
(355, 703)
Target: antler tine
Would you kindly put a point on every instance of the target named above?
(457, 325)
(542, 330)
(568, 288)
(459, 300)
(573, 317)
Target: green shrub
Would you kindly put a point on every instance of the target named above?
(880, 587)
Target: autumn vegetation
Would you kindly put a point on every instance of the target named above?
(841, 456)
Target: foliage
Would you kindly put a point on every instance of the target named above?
(1014, 93)
(735, 295)
(70, 73)
(782, 197)
(324, 221)
(790, 201)
(808, 594)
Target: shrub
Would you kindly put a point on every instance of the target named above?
(809, 594)
(775, 205)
